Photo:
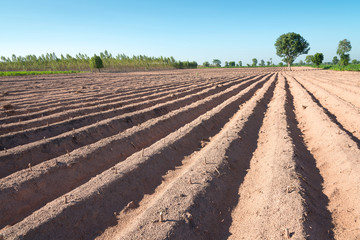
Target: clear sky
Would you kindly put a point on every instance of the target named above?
(186, 29)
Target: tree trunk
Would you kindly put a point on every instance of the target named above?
(289, 66)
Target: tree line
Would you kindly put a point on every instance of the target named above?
(82, 62)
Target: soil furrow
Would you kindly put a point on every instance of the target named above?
(162, 156)
(20, 138)
(348, 117)
(274, 189)
(93, 101)
(85, 162)
(347, 96)
(90, 95)
(19, 157)
(110, 107)
(206, 188)
(337, 157)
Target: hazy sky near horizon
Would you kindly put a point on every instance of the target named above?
(187, 30)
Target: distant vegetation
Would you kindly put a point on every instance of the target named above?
(23, 73)
(81, 62)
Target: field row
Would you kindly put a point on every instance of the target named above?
(193, 154)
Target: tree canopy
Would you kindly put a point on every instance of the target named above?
(291, 45)
(317, 58)
(96, 62)
(217, 62)
(343, 47)
(254, 62)
(335, 60)
(308, 59)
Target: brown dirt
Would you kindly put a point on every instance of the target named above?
(220, 153)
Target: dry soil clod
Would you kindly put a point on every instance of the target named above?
(65, 199)
(286, 233)
(217, 170)
(29, 165)
(161, 217)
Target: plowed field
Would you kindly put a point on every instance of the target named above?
(189, 154)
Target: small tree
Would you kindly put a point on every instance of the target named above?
(96, 62)
(354, 61)
(317, 58)
(254, 62)
(290, 46)
(262, 63)
(206, 64)
(281, 64)
(308, 59)
(343, 48)
(217, 62)
(226, 64)
(232, 64)
(335, 60)
(240, 63)
(301, 62)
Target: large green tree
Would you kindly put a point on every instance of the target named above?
(206, 64)
(335, 60)
(343, 48)
(309, 59)
(254, 62)
(317, 58)
(291, 45)
(217, 62)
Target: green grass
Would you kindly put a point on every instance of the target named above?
(350, 67)
(24, 73)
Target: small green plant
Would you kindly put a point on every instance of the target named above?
(96, 62)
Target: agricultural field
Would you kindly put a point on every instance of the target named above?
(242, 153)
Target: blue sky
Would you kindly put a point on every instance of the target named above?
(186, 30)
